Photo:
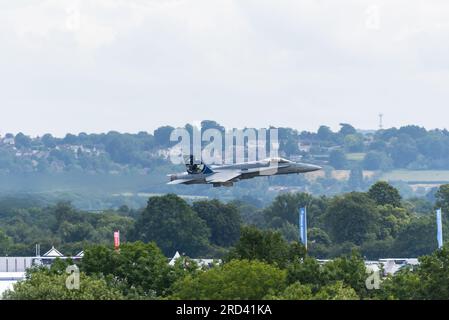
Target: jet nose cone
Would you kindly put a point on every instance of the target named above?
(308, 167)
(313, 167)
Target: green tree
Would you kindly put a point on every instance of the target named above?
(324, 133)
(48, 140)
(349, 270)
(162, 136)
(352, 217)
(337, 159)
(354, 143)
(413, 131)
(285, 208)
(70, 139)
(442, 199)
(137, 269)
(288, 141)
(403, 151)
(404, 285)
(428, 281)
(22, 141)
(375, 160)
(235, 280)
(434, 145)
(298, 291)
(173, 225)
(120, 148)
(355, 181)
(308, 271)
(223, 220)
(433, 271)
(70, 232)
(262, 245)
(416, 238)
(289, 231)
(5, 243)
(384, 193)
(347, 129)
(336, 291)
(392, 220)
(41, 285)
(295, 291)
(317, 235)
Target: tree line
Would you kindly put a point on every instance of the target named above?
(259, 249)
(378, 223)
(407, 147)
(255, 269)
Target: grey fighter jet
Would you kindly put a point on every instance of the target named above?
(226, 175)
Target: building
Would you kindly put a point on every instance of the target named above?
(202, 263)
(13, 269)
(389, 266)
(7, 280)
(9, 141)
(16, 264)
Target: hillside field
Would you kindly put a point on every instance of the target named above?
(417, 175)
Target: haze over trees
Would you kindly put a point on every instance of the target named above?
(134, 161)
(378, 223)
(173, 224)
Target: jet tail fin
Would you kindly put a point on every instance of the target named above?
(207, 169)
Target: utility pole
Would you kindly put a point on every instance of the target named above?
(381, 125)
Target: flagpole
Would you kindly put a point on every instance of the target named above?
(303, 226)
(439, 229)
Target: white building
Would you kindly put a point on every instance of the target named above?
(202, 263)
(13, 269)
(7, 280)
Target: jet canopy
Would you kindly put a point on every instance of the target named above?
(194, 166)
(277, 160)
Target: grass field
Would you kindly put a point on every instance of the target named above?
(336, 174)
(355, 156)
(410, 176)
(417, 175)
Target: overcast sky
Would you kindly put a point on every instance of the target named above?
(134, 65)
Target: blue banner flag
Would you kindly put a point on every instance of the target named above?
(303, 226)
(439, 229)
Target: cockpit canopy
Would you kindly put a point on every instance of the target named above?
(277, 160)
(195, 168)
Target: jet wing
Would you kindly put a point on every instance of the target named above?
(180, 181)
(223, 176)
(267, 171)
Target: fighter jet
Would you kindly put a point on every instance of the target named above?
(227, 175)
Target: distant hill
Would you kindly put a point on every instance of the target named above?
(116, 163)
